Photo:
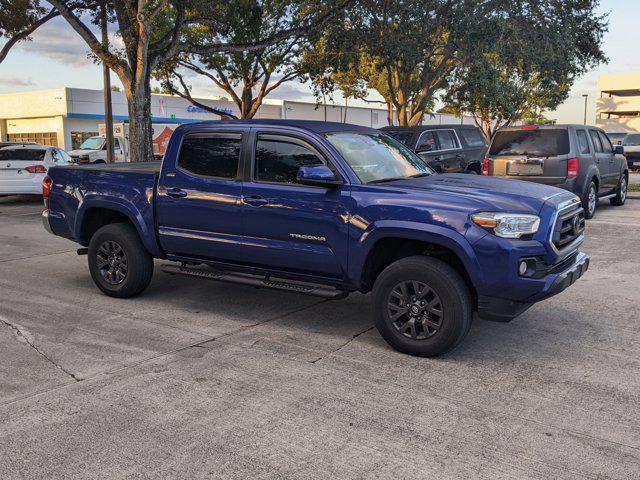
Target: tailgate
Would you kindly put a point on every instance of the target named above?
(549, 170)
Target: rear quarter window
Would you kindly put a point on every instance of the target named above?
(473, 137)
(544, 142)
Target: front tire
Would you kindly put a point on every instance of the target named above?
(422, 306)
(118, 261)
(621, 193)
(590, 200)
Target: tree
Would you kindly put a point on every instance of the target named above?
(246, 76)
(531, 67)
(350, 83)
(19, 19)
(413, 46)
(153, 31)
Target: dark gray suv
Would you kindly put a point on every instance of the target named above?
(578, 158)
(446, 148)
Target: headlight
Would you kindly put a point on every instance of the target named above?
(507, 225)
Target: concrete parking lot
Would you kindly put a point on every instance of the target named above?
(196, 379)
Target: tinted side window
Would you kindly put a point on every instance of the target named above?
(22, 154)
(606, 143)
(116, 144)
(214, 155)
(596, 141)
(447, 139)
(278, 160)
(473, 137)
(427, 142)
(404, 137)
(583, 142)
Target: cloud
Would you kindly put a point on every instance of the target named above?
(58, 41)
(13, 81)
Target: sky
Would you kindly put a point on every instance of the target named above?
(57, 57)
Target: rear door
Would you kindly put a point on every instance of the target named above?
(474, 148)
(450, 153)
(584, 149)
(288, 226)
(198, 201)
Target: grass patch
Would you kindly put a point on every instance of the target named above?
(634, 187)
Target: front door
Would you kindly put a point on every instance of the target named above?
(289, 226)
(198, 202)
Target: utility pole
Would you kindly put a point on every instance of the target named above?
(586, 96)
(106, 81)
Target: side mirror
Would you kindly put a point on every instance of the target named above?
(318, 176)
(618, 150)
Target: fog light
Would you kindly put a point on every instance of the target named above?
(523, 268)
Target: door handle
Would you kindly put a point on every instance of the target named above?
(255, 200)
(176, 193)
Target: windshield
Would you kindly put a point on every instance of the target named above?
(375, 157)
(545, 142)
(92, 143)
(632, 140)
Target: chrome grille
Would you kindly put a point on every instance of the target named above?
(569, 226)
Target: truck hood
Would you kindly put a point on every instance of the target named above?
(482, 193)
(80, 151)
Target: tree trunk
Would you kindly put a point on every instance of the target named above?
(390, 113)
(140, 131)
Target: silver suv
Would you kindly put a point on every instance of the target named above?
(578, 158)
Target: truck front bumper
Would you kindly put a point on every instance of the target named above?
(504, 310)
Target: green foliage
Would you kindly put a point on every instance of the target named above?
(543, 46)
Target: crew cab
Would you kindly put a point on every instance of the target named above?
(324, 209)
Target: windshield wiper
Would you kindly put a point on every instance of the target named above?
(384, 180)
(418, 175)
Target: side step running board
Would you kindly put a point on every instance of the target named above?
(257, 281)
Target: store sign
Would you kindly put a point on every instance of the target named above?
(194, 109)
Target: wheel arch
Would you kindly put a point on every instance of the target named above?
(95, 213)
(387, 244)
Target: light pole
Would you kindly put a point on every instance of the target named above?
(585, 95)
(106, 80)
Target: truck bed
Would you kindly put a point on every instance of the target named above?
(127, 188)
(137, 167)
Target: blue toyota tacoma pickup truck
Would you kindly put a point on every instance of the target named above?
(324, 209)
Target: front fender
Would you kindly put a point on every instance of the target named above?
(141, 220)
(435, 234)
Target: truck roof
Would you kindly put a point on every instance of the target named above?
(314, 126)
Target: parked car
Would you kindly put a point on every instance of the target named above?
(13, 144)
(446, 148)
(24, 166)
(631, 147)
(324, 209)
(577, 158)
(616, 138)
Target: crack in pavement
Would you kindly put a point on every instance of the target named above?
(341, 346)
(24, 335)
(198, 344)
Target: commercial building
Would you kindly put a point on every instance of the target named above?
(618, 103)
(65, 117)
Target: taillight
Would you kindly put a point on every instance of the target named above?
(530, 127)
(46, 190)
(485, 166)
(36, 169)
(573, 167)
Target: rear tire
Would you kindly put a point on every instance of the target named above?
(422, 306)
(590, 200)
(119, 264)
(621, 193)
